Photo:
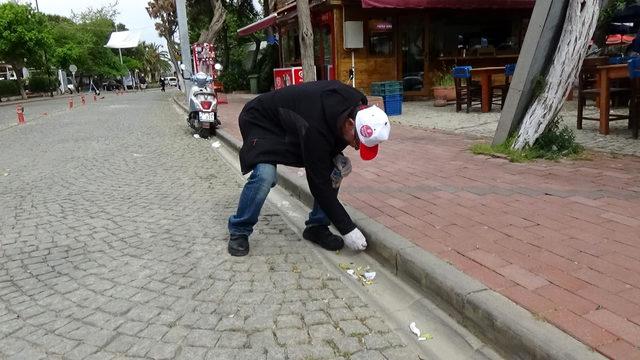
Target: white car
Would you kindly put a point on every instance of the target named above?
(171, 80)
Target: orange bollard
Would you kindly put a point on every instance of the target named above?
(70, 103)
(20, 113)
(82, 99)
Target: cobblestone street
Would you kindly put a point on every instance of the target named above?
(113, 245)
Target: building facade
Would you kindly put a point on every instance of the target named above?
(412, 41)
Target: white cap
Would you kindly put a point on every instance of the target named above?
(372, 126)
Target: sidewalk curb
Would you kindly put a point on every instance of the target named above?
(32, 100)
(496, 319)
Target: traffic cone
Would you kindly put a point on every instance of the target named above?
(20, 113)
(70, 103)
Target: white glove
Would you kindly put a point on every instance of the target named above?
(343, 164)
(355, 240)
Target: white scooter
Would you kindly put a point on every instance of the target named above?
(203, 105)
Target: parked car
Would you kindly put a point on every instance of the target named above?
(110, 85)
(172, 80)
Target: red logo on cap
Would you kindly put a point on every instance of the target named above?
(366, 131)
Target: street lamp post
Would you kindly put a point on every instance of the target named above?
(183, 28)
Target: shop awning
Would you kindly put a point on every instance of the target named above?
(123, 40)
(450, 4)
(258, 25)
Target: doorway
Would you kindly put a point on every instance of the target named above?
(413, 54)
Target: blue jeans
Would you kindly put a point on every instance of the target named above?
(255, 191)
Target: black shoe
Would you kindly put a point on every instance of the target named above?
(322, 236)
(238, 245)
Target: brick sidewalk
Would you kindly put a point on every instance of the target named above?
(561, 239)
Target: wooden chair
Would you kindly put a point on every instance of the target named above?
(588, 89)
(499, 92)
(634, 104)
(467, 91)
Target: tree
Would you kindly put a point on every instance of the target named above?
(579, 25)
(164, 11)
(81, 42)
(155, 60)
(215, 25)
(24, 35)
(101, 61)
(306, 40)
(71, 46)
(109, 11)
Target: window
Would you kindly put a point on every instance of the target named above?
(380, 37)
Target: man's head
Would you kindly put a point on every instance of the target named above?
(369, 128)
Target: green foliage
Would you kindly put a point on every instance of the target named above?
(9, 88)
(265, 66)
(109, 12)
(40, 83)
(24, 34)
(235, 77)
(540, 82)
(554, 143)
(232, 51)
(443, 79)
(132, 64)
(199, 14)
(101, 61)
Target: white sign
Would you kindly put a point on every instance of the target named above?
(73, 68)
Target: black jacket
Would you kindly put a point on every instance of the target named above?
(300, 126)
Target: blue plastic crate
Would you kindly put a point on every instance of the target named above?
(393, 104)
(386, 88)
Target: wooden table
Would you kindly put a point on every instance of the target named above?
(606, 73)
(485, 74)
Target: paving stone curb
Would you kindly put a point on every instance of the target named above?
(496, 319)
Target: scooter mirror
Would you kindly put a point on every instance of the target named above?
(217, 66)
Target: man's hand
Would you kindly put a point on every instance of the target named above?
(355, 240)
(343, 164)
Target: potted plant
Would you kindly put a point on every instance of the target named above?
(443, 89)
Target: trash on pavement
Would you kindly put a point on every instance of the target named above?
(352, 273)
(421, 337)
(370, 275)
(295, 269)
(359, 273)
(300, 172)
(215, 144)
(196, 136)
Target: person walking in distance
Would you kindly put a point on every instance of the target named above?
(307, 125)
